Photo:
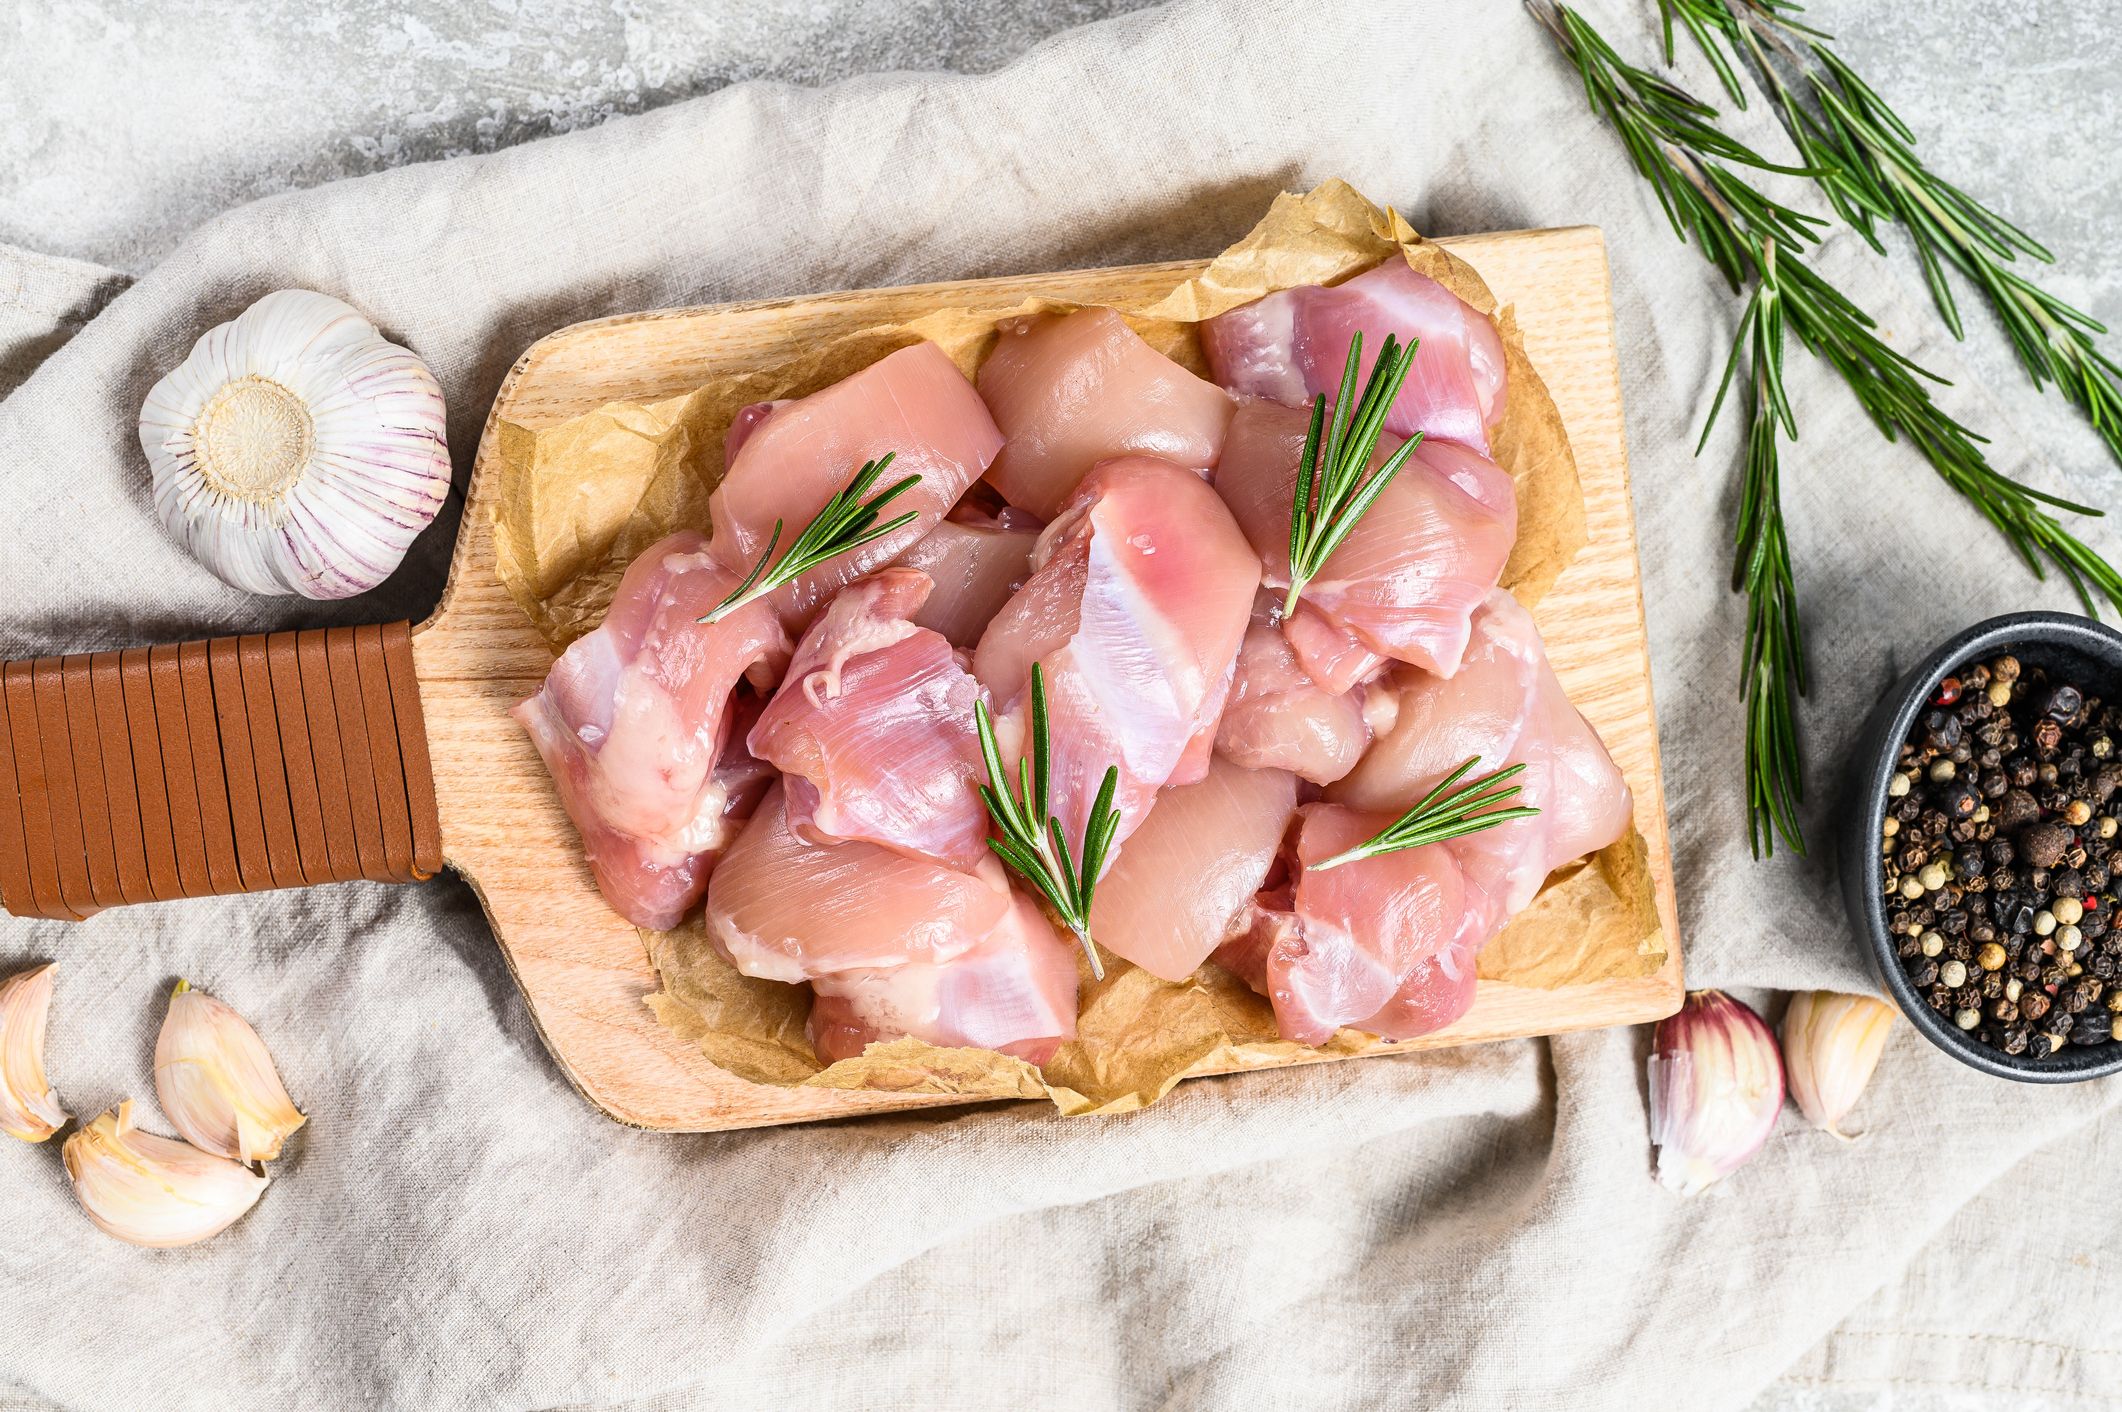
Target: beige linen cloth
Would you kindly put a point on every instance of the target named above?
(1475, 1228)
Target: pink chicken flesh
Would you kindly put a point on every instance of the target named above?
(1381, 944)
(634, 717)
(782, 908)
(1013, 991)
(1292, 347)
(1338, 945)
(1184, 882)
(976, 563)
(873, 732)
(1278, 718)
(1408, 577)
(1137, 601)
(792, 457)
(1069, 391)
(1504, 707)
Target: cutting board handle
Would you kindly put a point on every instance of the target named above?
(201, 768)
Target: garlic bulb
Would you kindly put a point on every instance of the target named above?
(152, 1190)
(28, 1107)
(295, 451)
(1716, 1085)
(1831, 1044)
(217, 1083)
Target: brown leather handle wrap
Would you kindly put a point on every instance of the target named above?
(234, 765)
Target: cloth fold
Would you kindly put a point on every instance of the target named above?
(1470, 1228)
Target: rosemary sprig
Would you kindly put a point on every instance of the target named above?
(1863, 156)
(1031, 842)
(1332, 491)
(1772, 657)
(1753, 239)
(1445, 812)
(845, 523)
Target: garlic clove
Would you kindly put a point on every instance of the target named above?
(1831, 1044)
(295, 450)
(1716, 1085)
(155, 1191)
(217, 1083)
(28, 1108)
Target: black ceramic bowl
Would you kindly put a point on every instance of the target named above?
(2076, 649)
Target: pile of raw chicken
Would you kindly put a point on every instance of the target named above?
(809, 765)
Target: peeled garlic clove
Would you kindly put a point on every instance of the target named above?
(217, 1083)
(153, 1190)
(1831, 1044)
(28, 1107)
(1716, 1085)
(295, 450)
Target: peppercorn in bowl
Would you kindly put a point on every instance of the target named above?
(1982, 858)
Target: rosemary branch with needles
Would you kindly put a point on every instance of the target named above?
(1752, 239)
(846, 522)
(1333, 492)
(1031, 841)
(1448, 811)
(1864, 158)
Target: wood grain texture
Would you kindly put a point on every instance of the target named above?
(585, 972)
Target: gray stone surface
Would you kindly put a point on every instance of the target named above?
(125, 125)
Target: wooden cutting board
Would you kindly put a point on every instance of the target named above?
(307, 758)
(585, 972)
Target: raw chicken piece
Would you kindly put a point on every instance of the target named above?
(1072, 390)
(1278, 718)
(1410, 574)
(1184, 882)
(784, 909)
(873, 729)
(633, 717)
(1137, 601)
(1292, 347)
(1362, 930)
(1504, 707)
(1014, 992)
(792, 458)
(1440, 988)
(976, 563)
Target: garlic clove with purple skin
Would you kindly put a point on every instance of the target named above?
(295, 450)
(216, 1081)
(155, 1191)
(29, 1110)
(1831, 1044)
(1716, 1085)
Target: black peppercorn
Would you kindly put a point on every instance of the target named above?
(2063, 704)
(2022, 771)
(2093, 1027)
(1924, 973)
(2033, 1004)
